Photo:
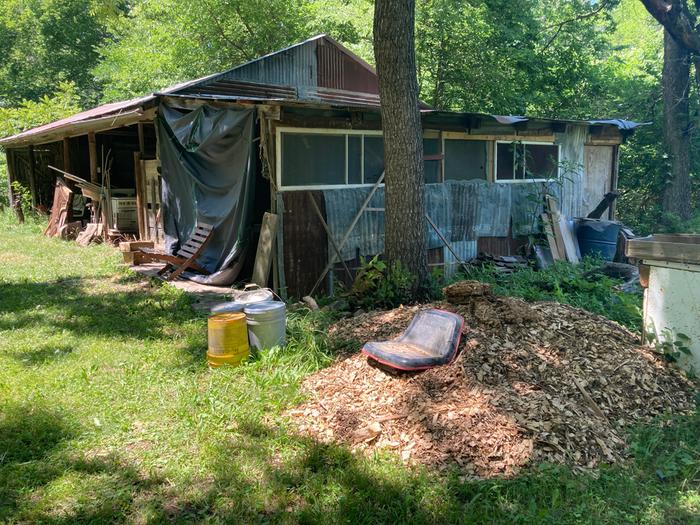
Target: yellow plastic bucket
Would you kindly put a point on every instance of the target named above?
(228, 339)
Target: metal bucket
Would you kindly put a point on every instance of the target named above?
(228, 339)
(597, 237)
(243, 299)
(267, 323)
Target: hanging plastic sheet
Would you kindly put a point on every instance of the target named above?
(208, 173)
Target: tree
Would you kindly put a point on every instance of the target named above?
(676, 88)
(394, 52)
(681, 39)
(44, 43)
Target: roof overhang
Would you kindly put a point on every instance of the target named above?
(101, 118)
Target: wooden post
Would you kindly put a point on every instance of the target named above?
(32, 175)
(9, 156)
(66, 154)
(613, 180)
(92, 147)
(142, 140)
(138, 177)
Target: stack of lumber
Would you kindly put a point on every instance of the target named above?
(131, 251)
(501, 263)
(60, 210)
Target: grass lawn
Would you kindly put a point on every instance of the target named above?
(109, 414)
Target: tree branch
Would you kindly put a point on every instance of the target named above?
(571, 20)
(676, 19)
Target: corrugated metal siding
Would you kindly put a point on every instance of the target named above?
(337, 70)
(492, 205)
(305, 242)
(572, 162)
(466, 250)
(295, 66)
(501, 245)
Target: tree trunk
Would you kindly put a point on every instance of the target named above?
(394, 51)
(676, 84)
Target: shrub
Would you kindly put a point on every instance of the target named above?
(566, 283)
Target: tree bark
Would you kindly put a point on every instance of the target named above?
(394, 51)
(676, 87)
(677, 19)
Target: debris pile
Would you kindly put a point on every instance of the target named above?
(533, 382)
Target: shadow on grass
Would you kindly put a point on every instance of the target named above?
(263, 475)
(44, 354)
(146, 312)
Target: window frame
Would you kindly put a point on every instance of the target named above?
(524, 143)
(324, 131)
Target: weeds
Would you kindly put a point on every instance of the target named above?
(566, 283)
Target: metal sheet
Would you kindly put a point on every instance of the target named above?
(466, 250)
(493, 204)
(572, 162)
(305, 242)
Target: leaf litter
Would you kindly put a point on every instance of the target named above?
(533, 382)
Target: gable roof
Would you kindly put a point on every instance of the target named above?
(317, 70)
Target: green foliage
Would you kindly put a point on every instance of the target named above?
(379, 286)
(668, 343)
(32, 113)
(46, 42)
(159, 43)
(566, 283)
(24, 196)
(109, 414)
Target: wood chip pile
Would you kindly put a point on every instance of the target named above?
(533, 382)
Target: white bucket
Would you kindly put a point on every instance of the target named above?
(267, 322)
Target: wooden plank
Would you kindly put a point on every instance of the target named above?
(651, 249)
(551, 239)
(32, 174)
(131, 246)
(562, 234)
(263, 256)
(92, 150)
(66, 154)
(138, 179)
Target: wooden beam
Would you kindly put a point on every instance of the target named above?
(10, 157)
(683, 250)
(66, 154)
(139, 184)
(92, 147)
(142, 140)
(32, 174)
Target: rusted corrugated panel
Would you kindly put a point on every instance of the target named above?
(342, 97)
(501, 245)
(305, 242)
(238, 88)
(338, 70)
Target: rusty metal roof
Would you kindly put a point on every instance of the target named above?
(318, 71)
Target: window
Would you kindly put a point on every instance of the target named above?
(465, 159)
(328, 158)
(517, 161)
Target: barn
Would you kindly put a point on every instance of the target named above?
(297, 133)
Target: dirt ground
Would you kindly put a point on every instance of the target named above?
(532, 382)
